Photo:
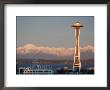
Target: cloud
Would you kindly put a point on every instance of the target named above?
(36, 51)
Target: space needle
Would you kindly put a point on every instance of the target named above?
(77, 62)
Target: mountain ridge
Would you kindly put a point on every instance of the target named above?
(36, 51)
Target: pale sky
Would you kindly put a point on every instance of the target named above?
(53, 31)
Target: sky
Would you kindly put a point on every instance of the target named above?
(53, 31)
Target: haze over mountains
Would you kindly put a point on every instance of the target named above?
(31, 51)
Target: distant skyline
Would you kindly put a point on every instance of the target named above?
(53, 31)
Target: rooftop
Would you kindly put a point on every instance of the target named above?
(77, 24)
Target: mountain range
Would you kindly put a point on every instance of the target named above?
(32, 51)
